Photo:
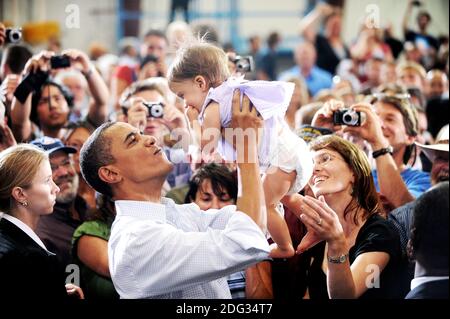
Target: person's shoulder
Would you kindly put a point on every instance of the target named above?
(377, 235)
(293, 71)
(377, 226)
(401, 212)
(92, 228)
(321, 73)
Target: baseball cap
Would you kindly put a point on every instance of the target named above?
(51, 145)
(440, 147)
(309, 132)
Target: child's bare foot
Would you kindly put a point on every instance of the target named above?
(281, 252)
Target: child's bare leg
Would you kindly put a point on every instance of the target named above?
(276, 184)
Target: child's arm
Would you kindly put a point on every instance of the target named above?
(276, 184)
(211, 129)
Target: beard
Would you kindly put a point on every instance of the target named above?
(69, 194)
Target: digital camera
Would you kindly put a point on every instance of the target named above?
(59, 62)
(347, 117)
(244, 64)
(155, 109)
(13, 35)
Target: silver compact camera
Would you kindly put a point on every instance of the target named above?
(13, 35)
(155, 109)
(347, 117)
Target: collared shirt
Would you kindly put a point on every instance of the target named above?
(317, 79)
(25, 228)
(178, 251)
(416, 181)
(421, 280)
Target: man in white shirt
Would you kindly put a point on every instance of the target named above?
(158, 249)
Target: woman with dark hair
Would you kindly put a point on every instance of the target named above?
(90, 251)
(359, 253)
(212, 186)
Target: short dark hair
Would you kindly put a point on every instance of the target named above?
(95, 153)
(429, 234)
(221, 179)
(16, 56)
(424, 13)
(68, 96)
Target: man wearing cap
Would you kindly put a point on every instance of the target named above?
(56, 229)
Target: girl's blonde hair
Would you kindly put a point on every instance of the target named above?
(200, 58)
(18, 166)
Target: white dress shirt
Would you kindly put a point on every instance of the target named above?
(178, 251)
(422, 280)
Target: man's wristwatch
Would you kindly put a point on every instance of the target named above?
(338, 260)
(383, 151)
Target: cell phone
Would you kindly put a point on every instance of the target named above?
(59, 62)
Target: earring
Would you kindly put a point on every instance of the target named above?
(25, 204)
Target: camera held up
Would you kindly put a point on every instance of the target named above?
(13, 35)
(348, 117)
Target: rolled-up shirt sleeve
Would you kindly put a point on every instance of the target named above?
(154, 258)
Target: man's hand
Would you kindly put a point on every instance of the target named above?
(324, 116)
(78, 57)
(371, 129)
(39, 61)
(137, 113)
(245, 129)
(8, 87)
(173, 118)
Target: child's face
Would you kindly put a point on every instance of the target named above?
(193, 92)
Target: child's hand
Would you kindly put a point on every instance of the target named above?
(173, 118)
(191, 113)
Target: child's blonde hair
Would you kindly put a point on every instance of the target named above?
(200, 58)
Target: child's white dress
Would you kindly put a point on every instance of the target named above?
(279, 147)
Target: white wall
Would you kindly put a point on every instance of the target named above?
(98, 18)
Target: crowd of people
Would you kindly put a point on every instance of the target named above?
(175, 170)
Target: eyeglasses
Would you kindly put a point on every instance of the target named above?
(323, 159)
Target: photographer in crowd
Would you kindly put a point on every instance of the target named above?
(146, 106)
(42, 107)
(390, 127)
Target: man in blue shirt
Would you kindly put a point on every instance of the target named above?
(305, 57)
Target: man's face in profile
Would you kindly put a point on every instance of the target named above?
(138, 158)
